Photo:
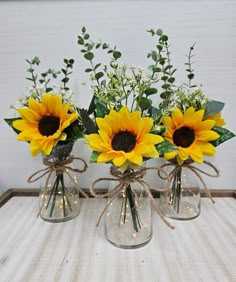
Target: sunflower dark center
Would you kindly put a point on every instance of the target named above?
(48, 125)
(123, 141)
(184, 137)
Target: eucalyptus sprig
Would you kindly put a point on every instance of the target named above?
(88, 48)
(115, 84)
(189, 64)
(162, 69)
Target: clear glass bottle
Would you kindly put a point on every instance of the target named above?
(128, 222)
(183, 199)
(59, 195)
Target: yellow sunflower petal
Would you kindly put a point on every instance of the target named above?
(207, 135)
(137, 160)
(152, 138)
(177, 117)
(105, 157)
(29, 115)
(119, 160)
(207, 149)
(207, 125)
(197, 155)
(170, 155)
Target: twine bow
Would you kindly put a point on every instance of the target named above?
(125, 179)
(195, 170)
(59, 167)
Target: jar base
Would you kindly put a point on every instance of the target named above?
(186, 211)
(58, 220)
(122, 246)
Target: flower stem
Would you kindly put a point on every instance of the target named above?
(54, 196)
(176, 191)
(63, 194)
(130, 197)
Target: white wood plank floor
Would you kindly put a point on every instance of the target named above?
(203, 249)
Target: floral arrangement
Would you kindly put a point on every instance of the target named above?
(49, 120)
(47, 116)
(124, 133)
(190, 120)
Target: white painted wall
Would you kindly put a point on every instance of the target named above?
(49, 29)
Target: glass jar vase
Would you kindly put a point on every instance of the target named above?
(128, 222)
(59, 195)
(182, 201)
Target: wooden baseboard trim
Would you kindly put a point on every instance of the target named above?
(8, 194)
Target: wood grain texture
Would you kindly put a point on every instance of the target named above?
(203, 249)
(49, 29)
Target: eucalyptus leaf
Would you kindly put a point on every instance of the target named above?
(99, 75)
(117, 54)
(144, 103)
(88, 56)
(213, 107)
(150, 91)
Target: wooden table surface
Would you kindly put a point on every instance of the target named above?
(203, 249)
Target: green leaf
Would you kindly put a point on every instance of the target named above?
(99, 75)
(214, 107)
(88, 70)
(80, 41)
(94, 157)
(104, 46)
(144, 103)
(88, 56)
(10, 121)
(101, 109)
(154, 56)
(165, 86)
(150, 91)
(74, 131)
(63, 71)
(165, 147)
(117, 54)
(164, 37)
(159, 32)
(97, 66)
(86, 36)
(191, 76)
(224, 133)
(165, 94)
(83, 29)
(87, 122)
(171, 79)
(65, 79)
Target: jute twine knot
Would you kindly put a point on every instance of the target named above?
(194, 169)
(124, 180)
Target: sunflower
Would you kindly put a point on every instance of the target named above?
(191, 134)
(42, 124)
(124, 138)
